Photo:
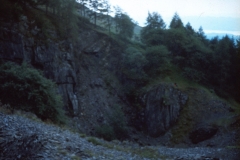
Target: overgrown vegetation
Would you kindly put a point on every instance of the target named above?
(117, 127)
(25, 88)
(94, 141)
(214, 63)
(182, 50)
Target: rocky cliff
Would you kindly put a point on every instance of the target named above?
(88, 75)
(84, 73)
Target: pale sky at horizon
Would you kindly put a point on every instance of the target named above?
(138, 10)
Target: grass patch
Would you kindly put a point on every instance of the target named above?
(82, 135)
(148, 153)
(233, 147)
(63, 152)
(108, 145)
(75, 158)
(145, 152)
(183, 126)
(170, 76)
(94, 141)
(89, 153)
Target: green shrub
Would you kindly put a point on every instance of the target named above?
(25, 88)
(106, 132)
(116, 127)
(157, 57)
(193, 74)
(94, 141)
(133, 64)
(118, 122)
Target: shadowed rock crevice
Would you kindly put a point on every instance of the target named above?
(202, 133)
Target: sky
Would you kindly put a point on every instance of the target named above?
(213, 15)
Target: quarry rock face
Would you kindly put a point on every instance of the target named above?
(81, 72)
(56, 64)
(162, 106)
(88, 77)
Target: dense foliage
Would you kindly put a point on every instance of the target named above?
(182, 51)
(213, 63)
(124, 25)
(25, 88)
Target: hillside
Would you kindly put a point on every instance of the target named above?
(164, 97)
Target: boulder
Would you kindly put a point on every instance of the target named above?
(162, 106)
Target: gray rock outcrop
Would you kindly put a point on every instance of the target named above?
(162, 106)
(82, 72)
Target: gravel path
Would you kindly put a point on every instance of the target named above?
(33, 139)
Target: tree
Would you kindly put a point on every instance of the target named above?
(153, 32)
(124, 24)
(118, 12)
(223, 54)
(55, 5)
(155, 21)
(94, 4)
(222, 74)
(238, 70)
(153, 37)
(107, 11)
(97, 7)
(213, 43)
(189, 29)
(202, 36)
(69, 19)
(133, 63)
(83, 6)
(176, 40)
(176, 22)
(157, 57)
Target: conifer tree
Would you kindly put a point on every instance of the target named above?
(155, 21)
(83, 4)
(202, 35)
(97, 7)
(152, 33)
(107, 10)
(124, 24)
(189, 29)
(176, 22)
